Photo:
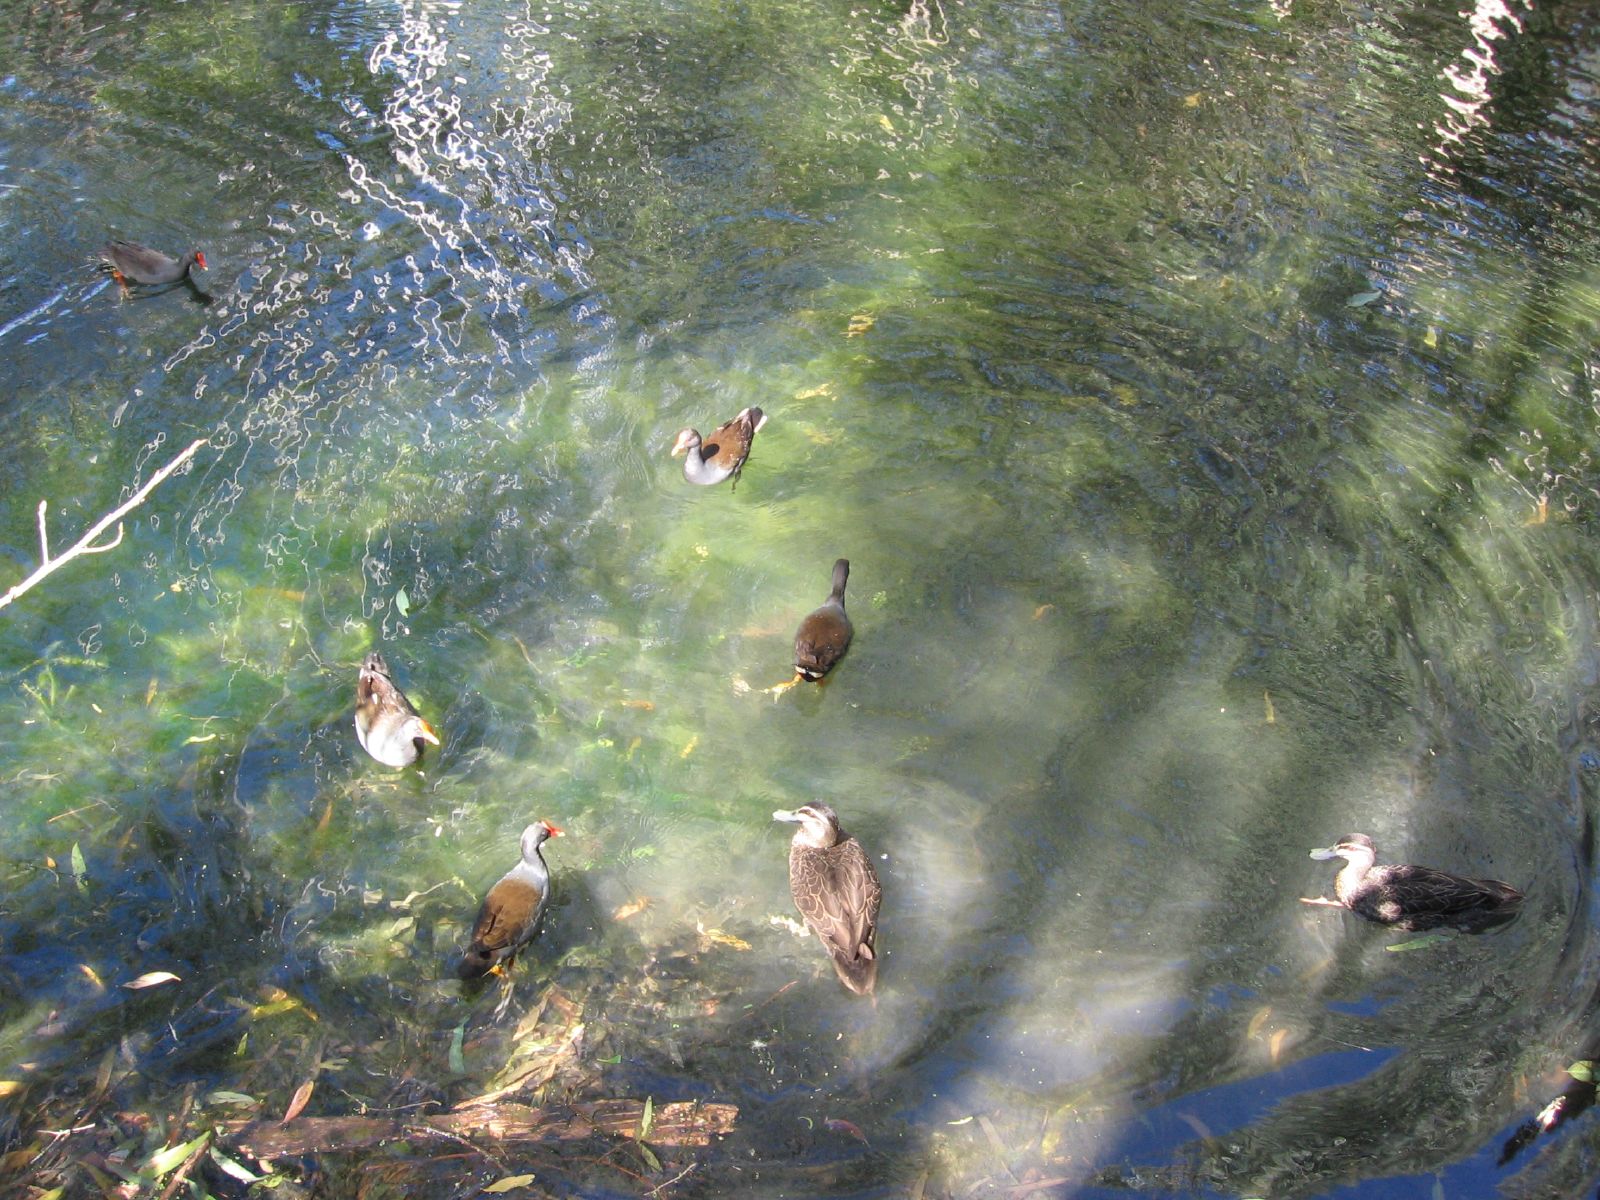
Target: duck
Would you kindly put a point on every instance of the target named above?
(387, 725)
(1409, 897)
(511, 912)
(132, 263)
(836, 891)
(823, 636)
(722, 455)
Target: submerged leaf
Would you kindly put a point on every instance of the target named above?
(1428, 939)
(509, 1183)
(1582, 1071)
(78, 868)
(1362, 299)
(458, 1062)
(402, 603)
(222, 1096)
(648, 1120)
(840, 1125)
(150, 979)
(297, 1104)
(170, 1159)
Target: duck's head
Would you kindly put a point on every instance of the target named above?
(819, 824)
(536, 835)
(1356, 849)
(687, 440)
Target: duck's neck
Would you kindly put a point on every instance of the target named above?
(696, 467)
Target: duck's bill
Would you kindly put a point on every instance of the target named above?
(1326, 853)
(786, 814)
(425, 731)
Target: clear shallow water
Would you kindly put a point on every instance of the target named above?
(1175, 552)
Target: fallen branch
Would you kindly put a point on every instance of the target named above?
(86, 544)
(679, 1124)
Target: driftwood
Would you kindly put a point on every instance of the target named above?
(681, 1124)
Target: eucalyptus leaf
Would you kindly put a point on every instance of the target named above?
(509, 1183)
(1582, 1071)
(458, 1062)
(1428, 939)
(1362, 299)
(402, 603)
(163, 1162)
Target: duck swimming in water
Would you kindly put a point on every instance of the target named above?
(823, 636)
(387, 726)
(721, 456)
(512, 910)
(1409, 897)
(836, 891)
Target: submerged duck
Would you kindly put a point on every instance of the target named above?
(722, 455)
(836, 891)
(387, 725)
(1409, 897)
(512, 910)
(823, 636)
(132, 263)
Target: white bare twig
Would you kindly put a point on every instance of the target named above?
(86, 543)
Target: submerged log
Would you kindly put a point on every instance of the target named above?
(680, 1124)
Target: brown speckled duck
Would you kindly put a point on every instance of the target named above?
(721, 456)
(1409, 897)
(512, 910)
(132, 263)
(836, 891)
(387, 725)
(823, 636)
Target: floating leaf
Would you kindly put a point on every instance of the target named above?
(1582, 1071)
(509, 1183)
(196, 739)
(9, 1087)
(79, 870)
(150, 979)
(689, 749)
(402, 603)
(648, 1120)
(458, 1062)
(1362, 299)
(614, 1060)
(297, 1104)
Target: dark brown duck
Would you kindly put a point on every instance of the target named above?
(836, 891)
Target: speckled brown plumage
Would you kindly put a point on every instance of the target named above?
(837, 892)
(1413, 898)
(387, 724)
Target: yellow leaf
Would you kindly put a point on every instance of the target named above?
(150, 979)
(509, 1183)
(92, 976)
(689, 749)
(632, 909)
(1042, 609)
(716, 937)
(9, 1087)
(1253, 1030)
(1272, 713)
(887, 124)
(1192, 100)
(822, 389)
(1275, 1046)
(642, 705)
(196, 739)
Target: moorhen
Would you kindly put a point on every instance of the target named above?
(722, 455)
(823, 636)
(387, 725)
(1412, 898)
(132, 263)
(511, 911)
(836, 891)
